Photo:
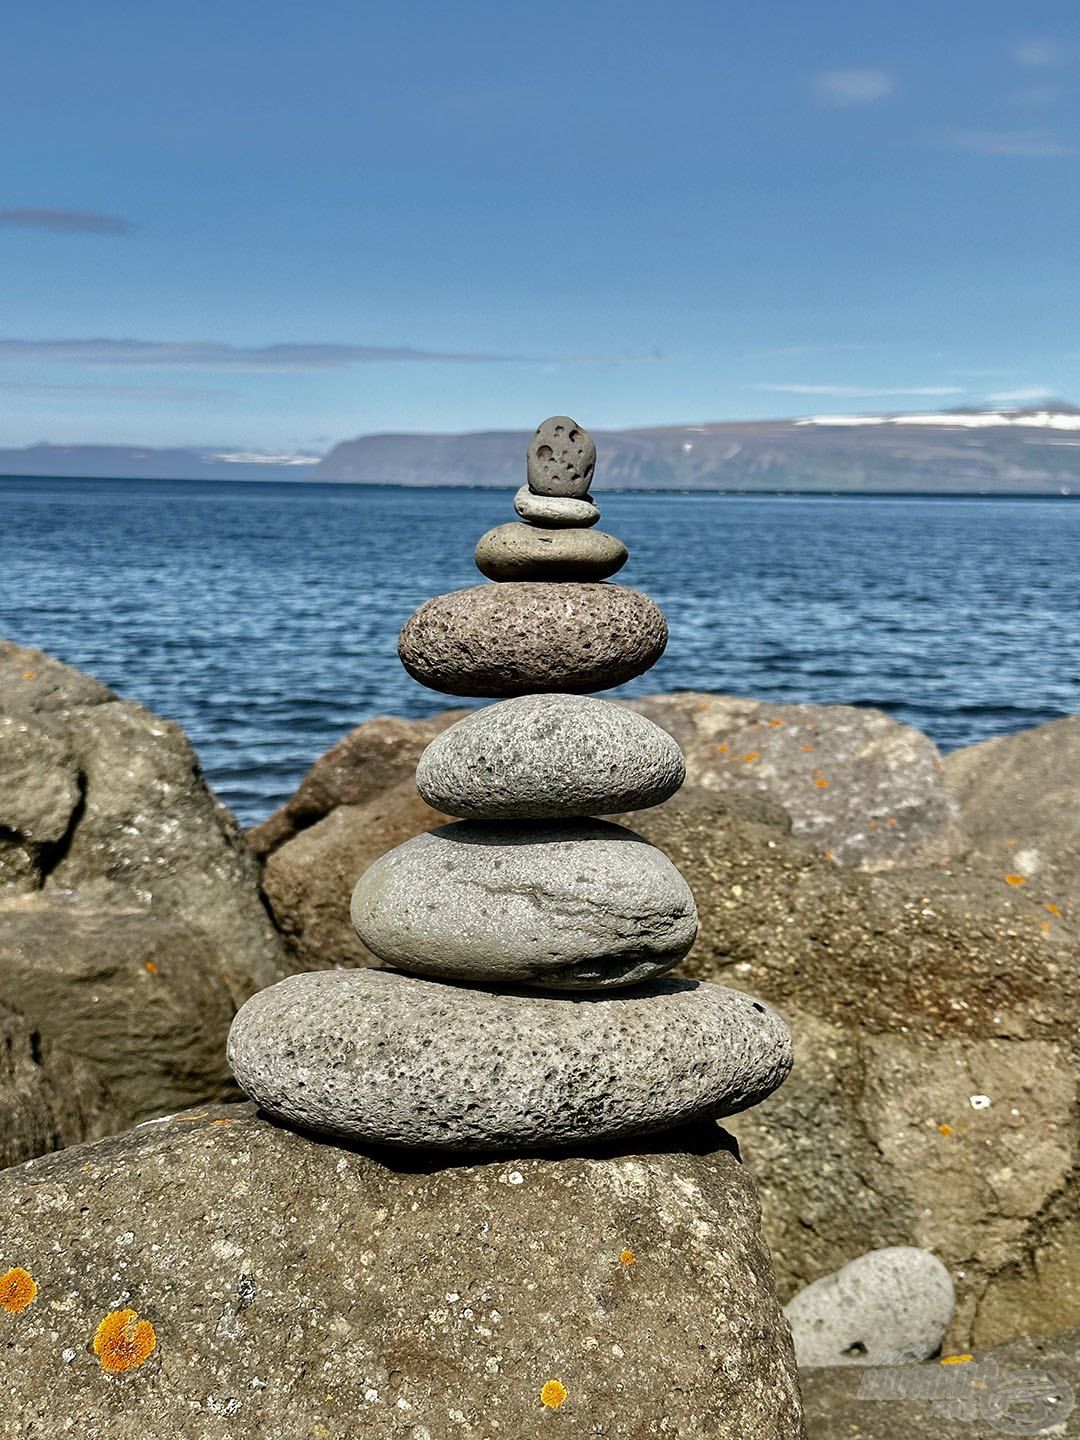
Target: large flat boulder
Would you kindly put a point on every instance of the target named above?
(269, 1283)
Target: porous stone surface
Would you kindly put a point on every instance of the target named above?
(524, 552)
(301, 1289)
(1019, 809)
(887, 1307)
(546, 756)
(1029, 1386)
(561, 458)
(100, 796)
(503, 640)
(563, 904)
(378, 1057)
(856, 783)
(137, 1001)
(555, 512)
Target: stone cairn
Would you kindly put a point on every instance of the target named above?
(525, 1007)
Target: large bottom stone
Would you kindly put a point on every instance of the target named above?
(383, 1058)
(304, 1290)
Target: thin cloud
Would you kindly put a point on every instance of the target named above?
(1016, 397)
(862, 392)
(1013, 144)
(85, 391)
(852, 87)
(1038, 51)
(66, 222)
(794, 351)
(289, 357)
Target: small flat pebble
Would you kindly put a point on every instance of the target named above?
(382, 1058)
(572, 904)
(555, 512)
(501, 640)
(526, 552)
(550, 756)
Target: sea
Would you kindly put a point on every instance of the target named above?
(263, 617)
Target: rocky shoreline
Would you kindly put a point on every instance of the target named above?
(913, 918)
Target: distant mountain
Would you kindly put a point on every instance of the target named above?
(131, 462)
(1016, 451)
(1033, 451)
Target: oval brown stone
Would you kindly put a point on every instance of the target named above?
(524, 552)
(533, 636)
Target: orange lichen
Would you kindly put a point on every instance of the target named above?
(17, 1290)
(1053, 909)
(553, 1394)
(627, 1258)
(891, 820)
(751, 756)
(821, 783)
(956, 1359)
(123, 1341)
(945, 1129)
(723, 749)
(774, 723)
(29, 675)
(1015, 879)
(1045, 927)
(151, 967)
(808, 747)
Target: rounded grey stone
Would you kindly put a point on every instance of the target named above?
(525, 552)
(568, 905)
(561, 458)
(387, 1059)
(549, 757)
(556, 512)
(501, 640)
(888, 1307)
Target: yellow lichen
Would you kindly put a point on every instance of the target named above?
(1015, 879)
(17, 1290)
(956, 1359)
(553, 1394)
(123, 1341)
(627, 1258)
(1053, 909)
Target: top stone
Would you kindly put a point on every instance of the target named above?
(561, 459)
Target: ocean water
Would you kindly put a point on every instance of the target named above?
(264, 617)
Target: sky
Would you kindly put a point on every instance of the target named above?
(272, 226)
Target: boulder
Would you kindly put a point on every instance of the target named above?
(138, 1001)
(131, 924)
(932, 1101)
(119, 811)
(859, 787)
(254, 1282)
(1019, 811)
(47, 1100)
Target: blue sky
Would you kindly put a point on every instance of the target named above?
(276, 225)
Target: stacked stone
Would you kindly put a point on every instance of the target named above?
(526, 1006)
